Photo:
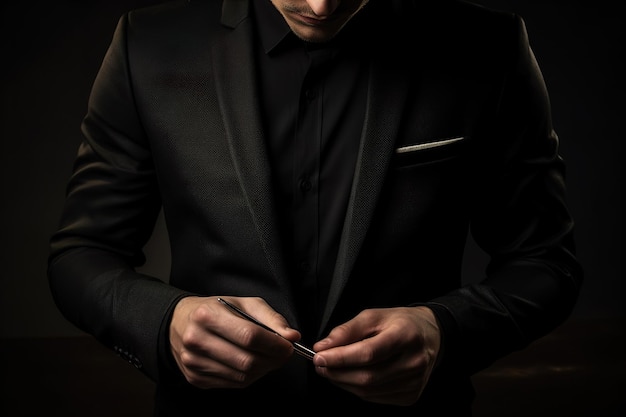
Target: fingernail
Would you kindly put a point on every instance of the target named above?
(319, 361)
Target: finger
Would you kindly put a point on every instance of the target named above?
(356, 343)
(249, 335)
(216, 360)
(356, 355)
(264, 313)
(204, 372)
(364, 325)
(219, 343)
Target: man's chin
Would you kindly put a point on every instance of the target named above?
(315, 34)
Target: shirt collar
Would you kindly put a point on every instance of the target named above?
(275, 34)
(272, 29)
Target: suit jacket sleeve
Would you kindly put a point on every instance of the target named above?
(521, 219)
(111, 207)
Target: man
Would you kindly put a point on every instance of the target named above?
(319, 165)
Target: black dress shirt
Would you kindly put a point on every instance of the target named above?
(313, 99)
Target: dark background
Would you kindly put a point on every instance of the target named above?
(52, 50)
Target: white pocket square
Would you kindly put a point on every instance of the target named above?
(428, 145)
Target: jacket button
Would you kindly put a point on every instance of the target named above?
(305, 267)
(135, 362)
(305, 185)
(310, 94)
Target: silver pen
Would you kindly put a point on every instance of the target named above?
(299, 349)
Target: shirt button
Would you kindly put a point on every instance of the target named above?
(305, 266)
(305, 185)
(310, 94)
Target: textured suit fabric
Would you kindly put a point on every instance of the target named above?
(173, 121)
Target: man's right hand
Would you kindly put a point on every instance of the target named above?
(215, 348)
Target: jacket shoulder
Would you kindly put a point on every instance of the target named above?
(176, 18)
(462, 31)
(465, 19)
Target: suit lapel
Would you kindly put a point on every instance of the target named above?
(234, 66)
(385, 92)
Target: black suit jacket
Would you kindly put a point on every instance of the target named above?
(457, 138)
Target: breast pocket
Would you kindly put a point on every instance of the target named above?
(430, 152)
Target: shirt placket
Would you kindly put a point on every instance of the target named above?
(306, 191)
